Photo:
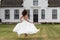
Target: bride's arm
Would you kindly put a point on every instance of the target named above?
(21, 18)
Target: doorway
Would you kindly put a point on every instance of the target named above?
(0, 20)
(35, 17)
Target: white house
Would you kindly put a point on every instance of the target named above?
(39, 10)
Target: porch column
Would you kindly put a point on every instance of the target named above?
(39, 15)
(31, 15)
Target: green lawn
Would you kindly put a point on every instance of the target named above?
(47, 32)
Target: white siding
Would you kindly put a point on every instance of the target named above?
(28, 4)
(11, 14)
(41, 3)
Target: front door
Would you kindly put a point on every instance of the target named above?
(0, 20)
(35, 17)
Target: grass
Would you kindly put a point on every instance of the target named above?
(47, 32)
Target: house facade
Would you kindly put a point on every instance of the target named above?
(38, 10)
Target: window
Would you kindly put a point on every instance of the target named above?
(35, 2)
(54, 14)
(16, 14)
(42, 14)
(35, 11)
(7, 14)
(28, 14)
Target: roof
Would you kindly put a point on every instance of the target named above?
(0, 2)
(11, 3)
(18, 3)
(54, 3)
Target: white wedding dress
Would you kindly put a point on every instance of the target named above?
(25, 27)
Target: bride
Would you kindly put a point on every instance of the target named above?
(25, 27)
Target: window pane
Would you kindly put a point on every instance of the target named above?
(35, 11)
(42, 14)
(35, 2)
(54, 14)
(16, 11)
(7, 14)
(16, 14)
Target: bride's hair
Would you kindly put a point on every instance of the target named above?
(24, 12)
